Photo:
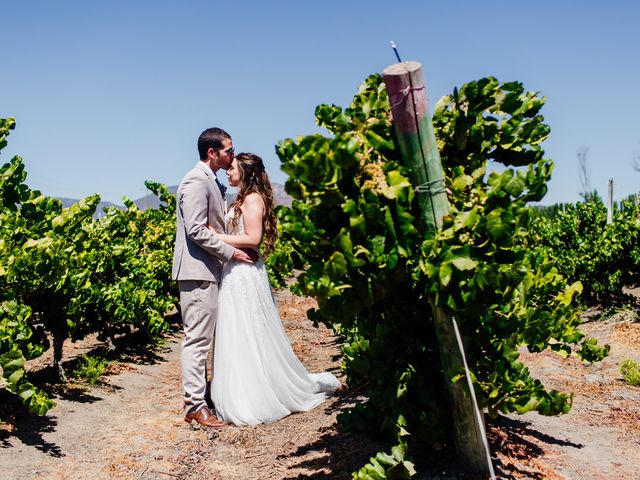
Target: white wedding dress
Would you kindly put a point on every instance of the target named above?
(257, 377)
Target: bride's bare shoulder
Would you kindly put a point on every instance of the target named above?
(253, 201)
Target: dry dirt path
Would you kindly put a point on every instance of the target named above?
(131, 426)
(599, 438)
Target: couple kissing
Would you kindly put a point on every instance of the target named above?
(226, 299)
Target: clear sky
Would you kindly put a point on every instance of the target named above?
(108, 94)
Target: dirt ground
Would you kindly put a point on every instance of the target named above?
(600, 437)
(131, 426)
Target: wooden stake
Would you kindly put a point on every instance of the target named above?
(416, 140)
(419, 151)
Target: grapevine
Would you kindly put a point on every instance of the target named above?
(374, 276)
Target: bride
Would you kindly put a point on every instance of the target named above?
(257, 376)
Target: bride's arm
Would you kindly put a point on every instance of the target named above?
(253, 214)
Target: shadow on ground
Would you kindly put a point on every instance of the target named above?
(16, 422)
(518, 440)
(333, 456)
(25, 427)
(338, 453)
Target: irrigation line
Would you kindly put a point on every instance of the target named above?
(472, 392)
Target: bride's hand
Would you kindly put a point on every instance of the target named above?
(211, 228)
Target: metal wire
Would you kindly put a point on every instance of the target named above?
(476, 409)
(428, 187)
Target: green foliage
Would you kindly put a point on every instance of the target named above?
(504, 294)
(65, 274)
(604, 258)
(19, 339)
(16, 347)
(383, 466)
(630, 372)
(280, 262)
(90, 368)
(486, 120)
(126, 279)
(375, 275)
(352, 224)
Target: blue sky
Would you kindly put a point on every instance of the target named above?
(108, 94)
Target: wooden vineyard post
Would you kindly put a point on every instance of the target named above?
(419, 151)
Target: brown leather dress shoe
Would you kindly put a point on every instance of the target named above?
(204, 417)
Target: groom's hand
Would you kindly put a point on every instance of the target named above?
(242, 256)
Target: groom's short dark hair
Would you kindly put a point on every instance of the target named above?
(211, 138)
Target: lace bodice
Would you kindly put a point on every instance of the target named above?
(228, 222)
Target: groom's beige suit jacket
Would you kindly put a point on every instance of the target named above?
(198, 253)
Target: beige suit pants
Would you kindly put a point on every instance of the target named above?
(199, 305)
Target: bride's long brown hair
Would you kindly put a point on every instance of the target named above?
(254, 179)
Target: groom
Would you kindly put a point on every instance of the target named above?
(197, 265)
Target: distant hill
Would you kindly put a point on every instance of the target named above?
(67, 202)
(151, 201)
(279, 195)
